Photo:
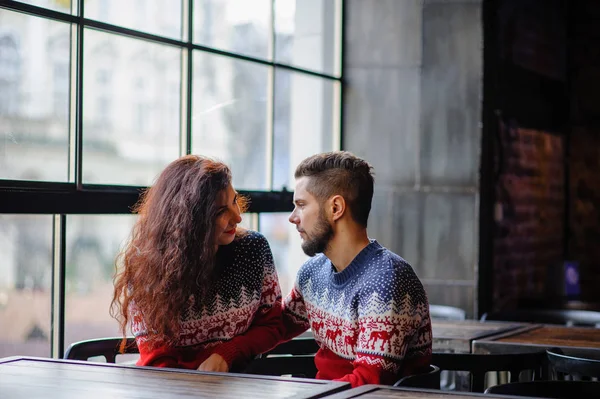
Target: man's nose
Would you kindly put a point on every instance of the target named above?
(293, 218)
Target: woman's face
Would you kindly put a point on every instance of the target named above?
(228, 216)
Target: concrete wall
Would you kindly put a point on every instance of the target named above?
(412, 107)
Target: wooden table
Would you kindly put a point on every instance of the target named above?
(386, 392)
(458, 336)
(541, 337)
(23, 377)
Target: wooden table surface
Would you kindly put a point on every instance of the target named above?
(29, 378)
(458, 336)
(541, 337)
(386, 392)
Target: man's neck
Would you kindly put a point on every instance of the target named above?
(345, 245)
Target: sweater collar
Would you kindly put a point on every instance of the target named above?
(356, 266)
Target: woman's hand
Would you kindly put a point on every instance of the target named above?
(215, 362)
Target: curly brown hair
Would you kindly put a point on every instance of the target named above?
(172, 249)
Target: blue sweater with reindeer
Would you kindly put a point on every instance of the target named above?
(371, 320)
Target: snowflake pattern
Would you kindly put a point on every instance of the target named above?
(246, 285)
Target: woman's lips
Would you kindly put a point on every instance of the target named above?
(232, 231)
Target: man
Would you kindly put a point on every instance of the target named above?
(366, 307)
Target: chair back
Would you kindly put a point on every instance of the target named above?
(106, 347)
(278, 365)
(442, 312)
(429, 379)
(477, 365)
(567, 317)
(297, 346)
(548, 389)
(573, 364)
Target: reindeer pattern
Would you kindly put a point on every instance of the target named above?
(385, 335)
(217, 327)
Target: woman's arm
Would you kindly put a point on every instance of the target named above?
(266, 328)
(295, 316)
(158, 355)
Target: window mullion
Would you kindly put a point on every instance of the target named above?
(78, 130)
(58, 286)
(270, 125)
(187, 79)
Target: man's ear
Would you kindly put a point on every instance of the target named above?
(338, 207)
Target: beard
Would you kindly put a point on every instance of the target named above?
(319, 239)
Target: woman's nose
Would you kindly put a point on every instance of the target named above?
(237, 217)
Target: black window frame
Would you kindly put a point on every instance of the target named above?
(61, 199)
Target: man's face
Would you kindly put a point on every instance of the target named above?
(310, 220)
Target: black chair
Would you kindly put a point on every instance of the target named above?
(442, 312)
(295, 357)
(567, 317)
(303, 345)
(429, 379)
(106, 347)
(477, 365)
(278, 365)
(548, 389)
(573, 364)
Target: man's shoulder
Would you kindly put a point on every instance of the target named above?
(390, 271)
(386, 261)
(314, 262)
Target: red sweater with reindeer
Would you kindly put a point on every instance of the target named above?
(240, 318)
(371, 320)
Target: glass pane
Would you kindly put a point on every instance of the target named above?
(306, 34)
(249, 221)
(56, 5)
(152, 16)
(238, 26)
(34, 97)
(131, 109)
(25, 285)
(285, 244)
(93, 242)
(304, 122)
(229, 116)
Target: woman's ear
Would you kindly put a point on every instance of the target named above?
(338, 207)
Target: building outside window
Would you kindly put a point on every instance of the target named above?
(256, 84)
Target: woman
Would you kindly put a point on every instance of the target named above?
(199, 291)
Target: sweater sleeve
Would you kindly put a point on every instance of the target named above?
(388, 332)
(295, 316)
(265, 330)
(157, 354)
(160, 356)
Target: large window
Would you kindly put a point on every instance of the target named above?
(97, 96)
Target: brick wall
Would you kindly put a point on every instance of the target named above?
(529, 227)
(584, 164)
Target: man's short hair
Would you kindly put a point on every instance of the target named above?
(340, 173)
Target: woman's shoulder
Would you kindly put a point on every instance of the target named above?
(251, 238)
